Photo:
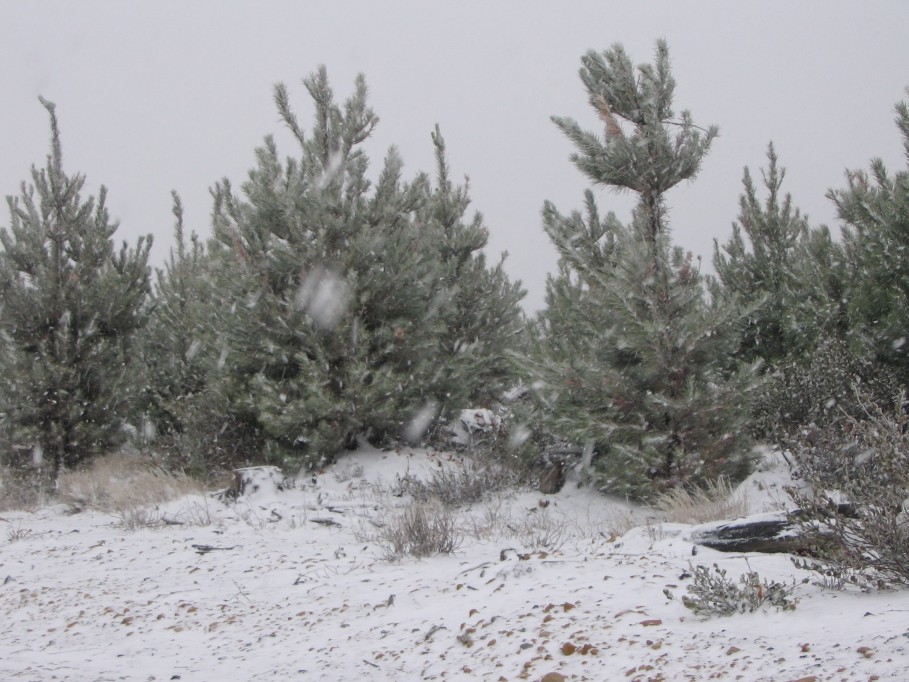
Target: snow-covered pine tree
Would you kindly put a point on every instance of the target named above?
(770, 264)
(72, 306)
(634, 354)
(338, 297)
(179, 354)
(875, 210)
(479, 305)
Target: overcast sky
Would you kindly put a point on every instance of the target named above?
(154, 96)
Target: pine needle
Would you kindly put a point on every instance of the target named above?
(613, 129)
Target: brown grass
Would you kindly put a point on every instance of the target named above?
(715, 502)
(123, 481)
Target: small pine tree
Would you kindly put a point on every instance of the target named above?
(72, 306)
(634, 352)
(480, 307)
(875, 210)
(764, 265)
(347, 308)
(178, 350)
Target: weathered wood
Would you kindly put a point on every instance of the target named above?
(773, 532)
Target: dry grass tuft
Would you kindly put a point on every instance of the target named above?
(122, 482)
(715, 502)
(18, 491)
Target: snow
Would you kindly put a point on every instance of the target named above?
(289, 585)
(324, 295)
(473, 423)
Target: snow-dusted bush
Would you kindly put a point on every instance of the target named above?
(821, 389)
(422, 529)
(711, 593)
(855, 498)
(458, 485)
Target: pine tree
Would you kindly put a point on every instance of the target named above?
(72, 306)
(348, 308)
(177, 349)
(875, 210)
(634, 352)
(771, 264)
(479, 305)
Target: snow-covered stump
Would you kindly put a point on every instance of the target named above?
(252, 480)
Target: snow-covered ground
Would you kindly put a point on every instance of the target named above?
(296, 587)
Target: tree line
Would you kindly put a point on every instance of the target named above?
(328, 308)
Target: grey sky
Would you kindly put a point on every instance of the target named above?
(164, 95)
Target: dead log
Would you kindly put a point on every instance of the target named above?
(774, 532)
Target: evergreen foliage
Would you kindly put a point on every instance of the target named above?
(773, 263)
(633, 351)
(344, 308)
(72, 306)
(875, 209)
(182, 415)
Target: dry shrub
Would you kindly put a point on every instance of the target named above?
(715, 501)
(459, 485)
(121, 482)
(829, 384)
(854, 502)
(21, 489)
(540, 530)
(422, 529)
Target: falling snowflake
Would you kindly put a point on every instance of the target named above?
(323, 295)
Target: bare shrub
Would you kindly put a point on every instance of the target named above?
(711, 593)
(197, 513)
(854, 498)
(422, 529)
(715, 501)
(18, 533)
(458, 485)
(137, 518)
(121, 482)
(620, 520)
(540, 530)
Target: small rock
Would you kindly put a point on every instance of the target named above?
(553, 677)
